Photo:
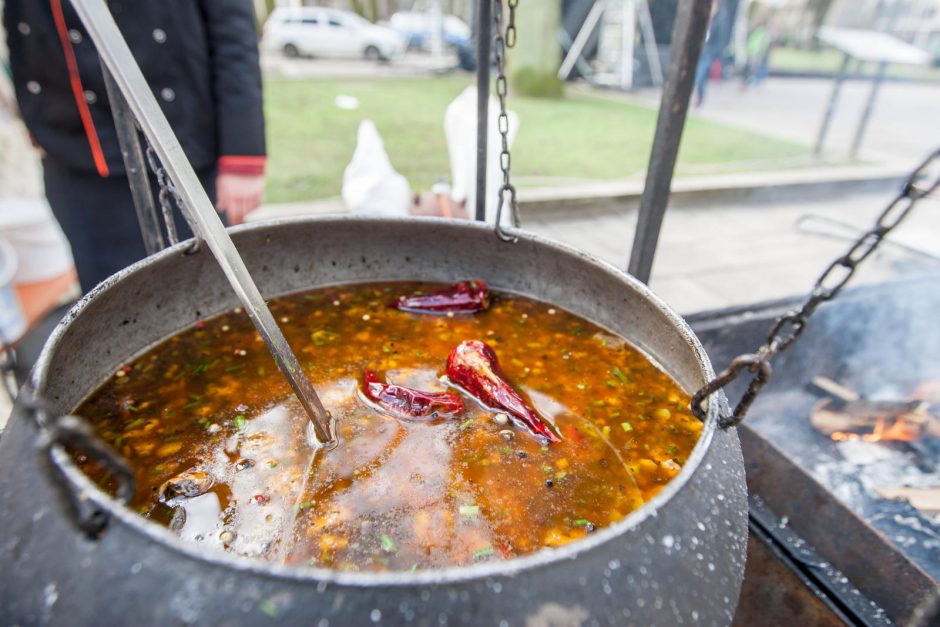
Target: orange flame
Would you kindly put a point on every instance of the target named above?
(900, 430)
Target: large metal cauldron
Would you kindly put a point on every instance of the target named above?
(679, 559)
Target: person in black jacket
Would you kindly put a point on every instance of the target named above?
(200, 58)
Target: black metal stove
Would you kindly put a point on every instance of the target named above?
(815, 501)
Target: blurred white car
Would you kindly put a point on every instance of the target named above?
(329, 33)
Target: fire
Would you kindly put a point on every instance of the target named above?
(899, 430)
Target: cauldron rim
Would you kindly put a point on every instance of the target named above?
(454, 574)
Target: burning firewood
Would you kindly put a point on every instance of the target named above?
(926, 500)
(848, 416)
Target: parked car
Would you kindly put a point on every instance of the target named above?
(329, 33)
(416, 28)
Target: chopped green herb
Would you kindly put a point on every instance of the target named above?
(235, 368)
(386, 348)
(671, 449)
(270, 608)
(413, 568)
(140, 422)
(580, 522)
(192, 404)
(617, 372)
(321, 337)
(547, 469)
(577, 330)
(388, 545)
(132, 408)
(466, 424)
(626, 426)
(469, 511)
(483, 552)
(308, 504)
(610, 383)
(240, 422)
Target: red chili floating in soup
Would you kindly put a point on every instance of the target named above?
(221, 455)
(463, 297)
(473, 366)
(405, 403)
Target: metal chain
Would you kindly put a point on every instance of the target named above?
(504, 39)
(922, 182)
(167, 192)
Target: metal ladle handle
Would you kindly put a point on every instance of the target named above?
(118, 60)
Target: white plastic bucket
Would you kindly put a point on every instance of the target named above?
(12, 320)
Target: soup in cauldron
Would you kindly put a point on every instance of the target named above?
(471, 427)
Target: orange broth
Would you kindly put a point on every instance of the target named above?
(394, 494)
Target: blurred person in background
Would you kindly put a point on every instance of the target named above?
(37, 272)
(200, 58)
(757, 48)
(716, 40)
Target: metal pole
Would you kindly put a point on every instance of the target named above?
(135, 167)
(649, 41)
(869, 107)
(688, 35)
(627, 42)
(117, 57)
(831, 107)
(484, 32)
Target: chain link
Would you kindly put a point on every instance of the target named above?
(167, 193)
(504, 39)
(786, 329)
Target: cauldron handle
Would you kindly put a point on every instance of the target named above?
(922, 182)
(73, 485)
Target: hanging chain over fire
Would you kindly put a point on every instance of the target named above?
(921, 183)
(504, 39)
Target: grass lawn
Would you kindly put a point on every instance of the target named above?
(310, 140)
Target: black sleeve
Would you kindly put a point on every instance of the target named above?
(236, 76)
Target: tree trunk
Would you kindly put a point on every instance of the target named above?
(534, 60)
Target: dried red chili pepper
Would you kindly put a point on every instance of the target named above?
(473, 366)
(407, 403)
(463, 297)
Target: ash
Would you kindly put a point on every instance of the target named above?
(852, 471)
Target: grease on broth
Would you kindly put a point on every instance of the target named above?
(207, 421)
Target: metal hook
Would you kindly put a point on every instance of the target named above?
(513, 213)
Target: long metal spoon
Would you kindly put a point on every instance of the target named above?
(117, 58)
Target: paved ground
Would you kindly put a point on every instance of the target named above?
(901, 131)
(713, 257)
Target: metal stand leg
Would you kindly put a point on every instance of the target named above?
(869, 107)
(135, 166)
(484, 32)
(831, 107)
(688, 35)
